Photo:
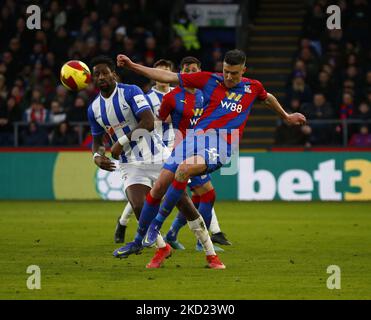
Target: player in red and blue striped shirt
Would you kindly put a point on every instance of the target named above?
(184, 107)
(228, 101)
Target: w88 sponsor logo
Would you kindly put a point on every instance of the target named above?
(231, 106)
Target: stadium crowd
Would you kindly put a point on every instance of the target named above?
(30, 60)
(331, 77)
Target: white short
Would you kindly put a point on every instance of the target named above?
(145, 174)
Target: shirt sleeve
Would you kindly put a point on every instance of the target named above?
(167, 106)
(194, 80)
(137, 100)
(95, 127)
(262, 93)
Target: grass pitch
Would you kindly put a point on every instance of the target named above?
(279, 251)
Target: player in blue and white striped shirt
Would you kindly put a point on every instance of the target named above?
(121, 110)
(165, 131)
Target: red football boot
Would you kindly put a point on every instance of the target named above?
(159, 257)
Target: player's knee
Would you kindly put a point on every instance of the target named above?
(183, 172)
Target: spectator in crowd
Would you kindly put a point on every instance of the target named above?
(319, 109)
(57, 114)
(289, 135)
(63, 135)
(299, 89)
(36, 113)
(3, 88)
(362, 138)
(34, 135)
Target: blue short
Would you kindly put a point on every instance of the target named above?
(210, 146)
(198, 181)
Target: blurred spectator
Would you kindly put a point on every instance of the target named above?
(34, 135)
(78, 112)
(36, 113)
(57, 114)
(176, 51)
(291, 135)
(361, 139)
(3, 88)
(319, 109)
(187, 31)
(346, 106)
(314, 22)
(63, 135)
(299, 89)
(9, 113)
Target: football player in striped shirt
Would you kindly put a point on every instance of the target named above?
(228, 101)
(121, 111)
(165, 131)
(184, 107)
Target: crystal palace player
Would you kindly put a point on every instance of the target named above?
(184, 107)
(228, 98)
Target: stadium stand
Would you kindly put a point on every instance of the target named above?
(324, 73)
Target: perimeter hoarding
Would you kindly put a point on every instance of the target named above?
(266, 176)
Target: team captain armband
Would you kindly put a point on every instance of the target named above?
(140, 100)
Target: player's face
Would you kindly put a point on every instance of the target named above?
(162, 68)
(233, 74)
(190, 68)
(103, 77)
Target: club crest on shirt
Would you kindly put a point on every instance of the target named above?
(247, 88)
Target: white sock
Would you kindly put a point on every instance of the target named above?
(160, 242)
(199, 229)
(126, 214)
(214, 224)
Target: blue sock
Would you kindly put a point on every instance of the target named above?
(179, 222)
(172, 196)
(149, 210)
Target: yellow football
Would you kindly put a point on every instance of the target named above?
(75, 75)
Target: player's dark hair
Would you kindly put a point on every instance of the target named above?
(189, 60)
(235, 57)
(102, 60)
(164, 63)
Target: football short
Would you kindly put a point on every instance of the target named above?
(211, 147)
(198, 181)
(139, 173)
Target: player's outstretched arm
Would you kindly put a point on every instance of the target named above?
(151, 73)
(292, 119)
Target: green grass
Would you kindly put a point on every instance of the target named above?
(279, 251)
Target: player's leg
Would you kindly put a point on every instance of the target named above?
(197, 226)
(137, 188)
(179, 222)
(192, 166)
(122, 223)
(206, 191)
(217, 236)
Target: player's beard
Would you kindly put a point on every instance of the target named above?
(106, 87)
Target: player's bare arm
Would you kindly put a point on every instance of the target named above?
(101, 161)
(155, 74)
(146, 122)
(292, 119)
